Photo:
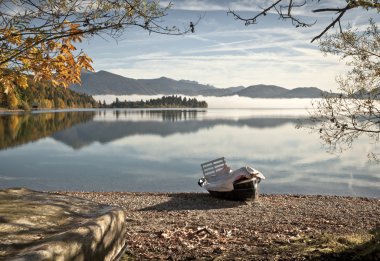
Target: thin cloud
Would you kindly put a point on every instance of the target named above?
(225, 53)
(233, 70)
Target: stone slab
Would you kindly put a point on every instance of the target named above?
(46, 226)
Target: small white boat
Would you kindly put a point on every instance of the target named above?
(220, 181)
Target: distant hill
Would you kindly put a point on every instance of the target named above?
(262, 91)
(272, 91)
(221, 91)
(102, 83)
(304, 92)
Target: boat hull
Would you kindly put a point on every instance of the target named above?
(242, 191)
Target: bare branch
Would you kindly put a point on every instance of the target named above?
(252, 20)
(341, 119)
(332, 24)
(285, 12)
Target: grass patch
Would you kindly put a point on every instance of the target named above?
(358, 246)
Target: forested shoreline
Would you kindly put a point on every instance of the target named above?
(172, 101)
(42, 95)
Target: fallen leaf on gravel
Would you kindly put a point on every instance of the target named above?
(182, 226)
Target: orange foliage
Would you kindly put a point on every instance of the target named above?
(55, 60)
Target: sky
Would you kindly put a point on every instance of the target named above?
(224, 52)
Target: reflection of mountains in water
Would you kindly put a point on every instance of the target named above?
(172, 122)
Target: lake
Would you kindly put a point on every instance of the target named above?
(161, 151)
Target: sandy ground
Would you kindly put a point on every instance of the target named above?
(196, 226)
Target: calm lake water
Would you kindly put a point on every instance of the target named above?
(161, 150)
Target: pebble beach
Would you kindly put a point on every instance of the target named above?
(196, 226)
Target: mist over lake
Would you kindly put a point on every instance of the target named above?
(161, 150)
(227, 102)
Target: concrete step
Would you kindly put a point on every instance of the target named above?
(46, 226)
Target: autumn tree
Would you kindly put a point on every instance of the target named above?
(37, 37)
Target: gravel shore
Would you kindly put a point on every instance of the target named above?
(196, 226)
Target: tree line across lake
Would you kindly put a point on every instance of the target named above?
(172, 101)
(42, 95)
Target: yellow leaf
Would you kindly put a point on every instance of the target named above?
(55, 83)
(22, 81)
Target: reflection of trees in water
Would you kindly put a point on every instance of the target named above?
(161, 115)
(17, 129)
(174, 115)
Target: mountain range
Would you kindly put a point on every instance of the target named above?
(103, 82)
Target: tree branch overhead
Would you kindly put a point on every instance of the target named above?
(285, 10)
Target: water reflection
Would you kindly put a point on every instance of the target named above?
(149, 114)
(160, 150)
(105, 129)
(18, 129)
(108, 125)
